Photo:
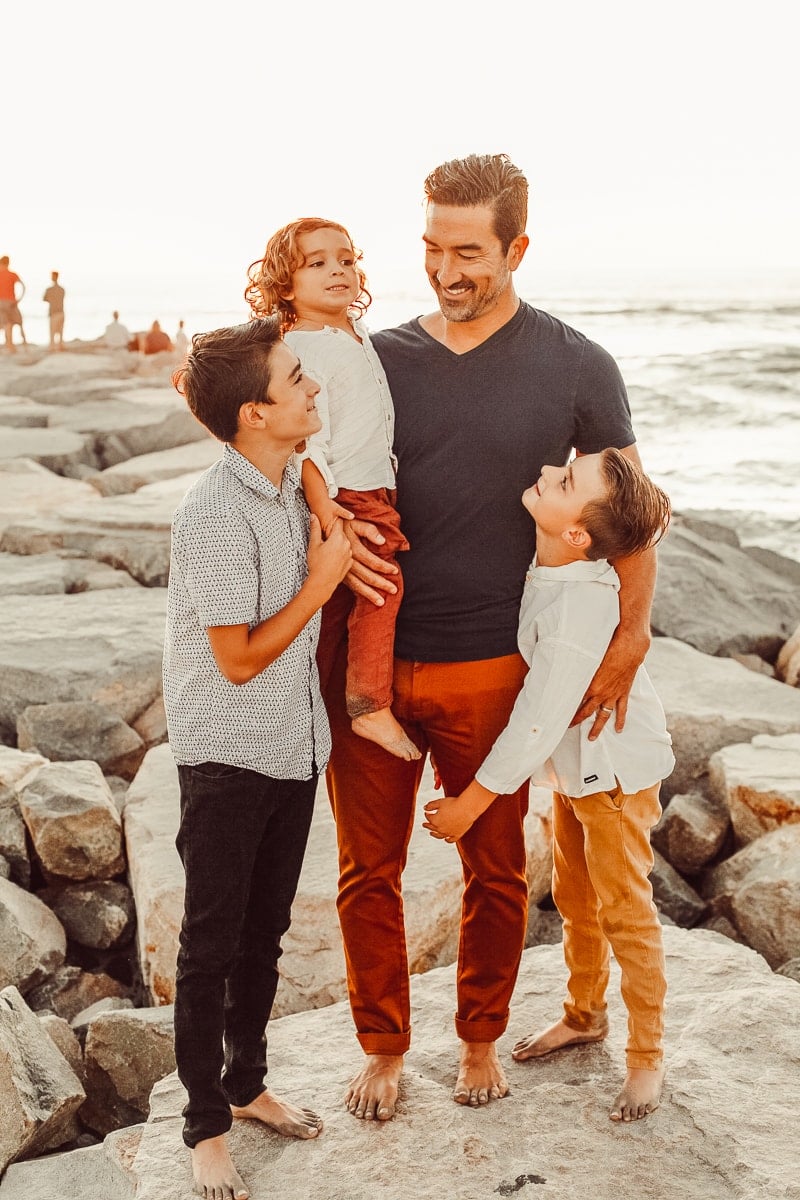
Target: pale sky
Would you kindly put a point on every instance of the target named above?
(169, 137)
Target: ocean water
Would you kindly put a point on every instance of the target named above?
(713, 379)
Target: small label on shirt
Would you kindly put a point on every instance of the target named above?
(590, 779)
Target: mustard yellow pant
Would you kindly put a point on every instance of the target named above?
(601, 862)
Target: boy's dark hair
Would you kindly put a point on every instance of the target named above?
(270, 277)
(633, 515)
(490, 180)
(224, 370)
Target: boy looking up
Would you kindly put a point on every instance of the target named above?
(599, 507)
(249, 573)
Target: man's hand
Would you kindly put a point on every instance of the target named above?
(612, 682)
(368, 573)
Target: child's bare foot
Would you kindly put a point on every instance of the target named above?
(640, 1095)
(372, 1094)
(555, 1038)
(215, 1176)
(480, 1076)
(282, 1117)
(383, 727)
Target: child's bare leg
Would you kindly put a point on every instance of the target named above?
(481, 1077)
(281, 1116)
(372, 1094)
(383, 727)
(556, 1037)
(214, 1173)
(640, 1095)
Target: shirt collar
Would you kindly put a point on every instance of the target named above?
(600, 570)
(252, 478)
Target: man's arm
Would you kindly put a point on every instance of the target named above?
(241, 653)
(612, 682)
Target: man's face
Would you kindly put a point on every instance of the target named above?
(558, 497)
(292, 415)
(464, 261)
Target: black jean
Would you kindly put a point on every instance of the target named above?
(241, 839)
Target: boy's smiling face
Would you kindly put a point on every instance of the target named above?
(559, 495)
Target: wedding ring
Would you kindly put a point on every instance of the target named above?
(604, 709)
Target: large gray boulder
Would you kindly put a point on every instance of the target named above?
(732, 1047)
(718, 598)
(73, 821)
(192, 458)
(759, 783)
(126, 1053)
(108, 646)
(32, 939)
(15, 768)
(713, 702)
(39, 1091)
(81, 729)
(28, 489)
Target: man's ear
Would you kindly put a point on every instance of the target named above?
(577, 538)
(516, 251)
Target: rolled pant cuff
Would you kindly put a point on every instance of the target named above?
(481, 1031)
(197, 1132)
(644, 1062)
(385, 1043)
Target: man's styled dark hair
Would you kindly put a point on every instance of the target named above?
(633, 515)
(224, 370)
(488, 180)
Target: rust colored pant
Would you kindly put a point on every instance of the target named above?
(455, 711)
(601, 862)
(370, 630)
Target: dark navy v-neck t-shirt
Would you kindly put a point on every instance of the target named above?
(472, 432)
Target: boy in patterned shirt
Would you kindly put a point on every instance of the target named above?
(249, 572)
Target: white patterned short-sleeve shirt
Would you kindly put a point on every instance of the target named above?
(239, 547)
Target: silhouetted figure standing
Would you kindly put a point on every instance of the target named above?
(9, 303)
(54, 299)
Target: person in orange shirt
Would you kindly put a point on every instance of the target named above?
(9, 300)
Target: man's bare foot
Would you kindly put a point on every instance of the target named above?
(555, 1038)
(282, 1117)
(384, 728)
(372, 1094)
(640, 1095)
(215, 1176)
(480, 1076)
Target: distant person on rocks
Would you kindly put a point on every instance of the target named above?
(155, 340)
(9, 303)
(54, 299)
(249, 572)
(181, 340)
(605, 792)
(310, 275)
(116, 335)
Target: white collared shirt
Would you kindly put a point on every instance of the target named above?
(354, 447)
(239, 555)
(567, 617)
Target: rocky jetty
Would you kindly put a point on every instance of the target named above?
(95, 451)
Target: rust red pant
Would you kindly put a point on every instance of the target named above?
(370, 630)
(455, 711)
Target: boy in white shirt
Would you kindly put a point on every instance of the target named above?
(605, 791)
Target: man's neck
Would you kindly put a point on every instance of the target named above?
(462, 336)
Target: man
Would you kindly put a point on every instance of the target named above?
(485, 387)
(116, 335)
(9, 302)
(248, 575)
(54, 299)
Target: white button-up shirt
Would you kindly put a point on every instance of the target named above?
(567, 617)
(239, 548)
(354, 447)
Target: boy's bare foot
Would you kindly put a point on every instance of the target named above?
(215, 1176)
(555, 1038)
(282, 1117)
(384, 728)
(480, 1076)
(372, 1094)
(640, 1095)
